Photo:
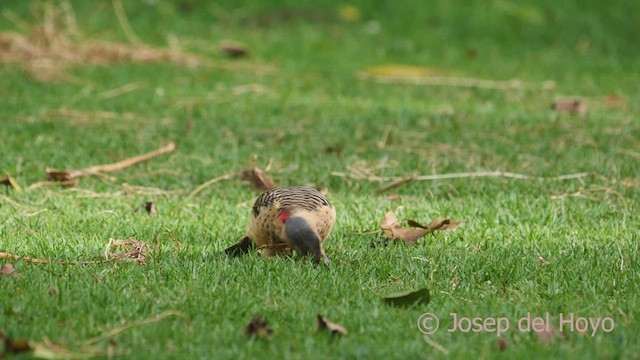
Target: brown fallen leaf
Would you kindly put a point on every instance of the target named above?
(335, 329)
(10, 182)
(8, 270)
(131, 249)
(257, 179)
(409, 235)
(391, 227)
(258, 327)
(389, 222)
(502, 344)
(234, 49)
(12, 346)
(573, 106)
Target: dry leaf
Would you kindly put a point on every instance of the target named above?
(131, 249)
(392, 228)
(148, 206)
(8, 270)
(258, 327)
(53, 352)
(502, 344)
(12, 346)
(439, 224)
(10, 182)
(349, 13)
(409, 298)
(234, 49)
(58, 175)
(389, 222)
(573, 106)
(257, 179)
(409, 235)
(151, 209)
(615, 101)
(335, 329)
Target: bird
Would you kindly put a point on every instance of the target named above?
(287, 219)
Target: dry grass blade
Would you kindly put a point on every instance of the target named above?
(454, 82)
(131, 249)
(55, 43)
(209, 183)
(117, 330)
(257, 179)
(65, 175)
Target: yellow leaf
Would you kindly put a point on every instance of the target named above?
(349, 13)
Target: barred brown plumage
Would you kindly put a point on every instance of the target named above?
(289, 218)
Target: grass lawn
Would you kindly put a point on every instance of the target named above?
(299, 108)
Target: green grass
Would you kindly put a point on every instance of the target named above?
(490, 267)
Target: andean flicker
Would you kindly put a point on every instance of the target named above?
(289, 218)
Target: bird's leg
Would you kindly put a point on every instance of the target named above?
(242, 247)
(305, 238)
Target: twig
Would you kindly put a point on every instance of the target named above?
(4, 255)
(395, 184)
(117, 330)
(94, 170)
(209, 183)
(41, 184)
(479, 174)
(456, 82)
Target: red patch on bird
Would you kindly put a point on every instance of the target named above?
(283, 216)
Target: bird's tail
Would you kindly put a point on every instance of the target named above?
(242, 247)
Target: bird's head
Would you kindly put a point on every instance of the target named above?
(306, 239)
